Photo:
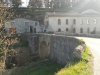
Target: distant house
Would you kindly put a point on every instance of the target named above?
(84, 19)
(21, 25)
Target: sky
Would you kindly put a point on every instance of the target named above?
(25, 3)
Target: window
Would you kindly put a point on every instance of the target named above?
(26, 26)
(66, 29)
(36, 23)
(87, 21)
(81, 30)
(95, 21)
(74, 21)
(88, 30)
(34, 30)
(94, 31)
(31, 29)
(45, 30)
(59, 30)
(74, 30)
(26, 23)
(59, 22)
(67, 21)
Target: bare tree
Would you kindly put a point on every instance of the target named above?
(16, 3)
(35, 3)
(64, 3)
(6, 14)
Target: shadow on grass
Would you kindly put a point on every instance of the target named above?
(42, 68)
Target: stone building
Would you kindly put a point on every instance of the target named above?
(83, 19)
(21, 25)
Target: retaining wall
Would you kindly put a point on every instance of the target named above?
(55, 47)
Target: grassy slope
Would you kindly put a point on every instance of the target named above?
(83, 67)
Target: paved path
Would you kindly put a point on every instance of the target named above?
(94, 44)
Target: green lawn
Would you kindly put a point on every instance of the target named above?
(84, 67)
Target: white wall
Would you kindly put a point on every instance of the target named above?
(21, 27)
(53, 24)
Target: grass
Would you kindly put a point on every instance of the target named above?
(43, 68)
(84, 67)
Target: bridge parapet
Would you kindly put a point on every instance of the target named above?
(58, 48)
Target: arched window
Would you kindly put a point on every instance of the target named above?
(36, 23)
(81, 30)
(59, 21)
(95, 21)
(74, 21)
(66, 21)
(59, 30)
(94, 31)
(66, 29)
(34, 30)
(87, 21)
(74, 30)
(31, 29)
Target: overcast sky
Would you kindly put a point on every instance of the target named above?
(25, 3)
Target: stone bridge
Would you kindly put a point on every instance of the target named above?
(54, 47)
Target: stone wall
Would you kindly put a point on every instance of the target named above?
(62, 48)
(55, 47)
(78, 35)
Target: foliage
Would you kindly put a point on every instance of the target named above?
(21, 42)
(1, 48)
(6, 14)
(15, 7)
(84, 67)
(53, 3)
(35, 3)
(16, 3)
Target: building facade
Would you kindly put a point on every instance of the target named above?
(83, 19)
(21, 25)
(87, 22)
